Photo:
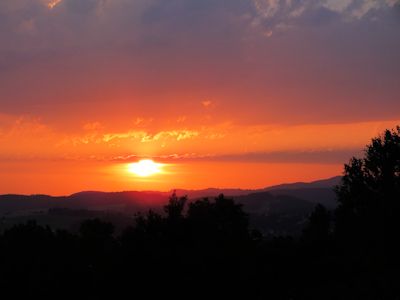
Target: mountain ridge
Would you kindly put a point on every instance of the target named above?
(320, 191)
(279, 209)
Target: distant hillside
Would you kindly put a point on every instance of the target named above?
(276, 214)
(266, 203)
(320, 191)
(324, 183)
(314, 192)
(212, 192)
(324, 196)
(278, 209)
(121, 201)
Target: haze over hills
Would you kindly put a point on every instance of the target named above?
(280, 208)
(320, 191)
(324, 183)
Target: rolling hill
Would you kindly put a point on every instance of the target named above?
(277, 209)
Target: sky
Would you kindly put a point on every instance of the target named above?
(224, 93)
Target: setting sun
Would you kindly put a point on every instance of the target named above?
(144, 168)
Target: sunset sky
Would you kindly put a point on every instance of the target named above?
(222, 93)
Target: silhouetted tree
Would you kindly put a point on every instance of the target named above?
(175, 207)
(369, 194)
(222, 219)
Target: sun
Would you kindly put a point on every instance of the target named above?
(144, 168)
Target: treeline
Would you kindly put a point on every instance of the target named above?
(206, 250)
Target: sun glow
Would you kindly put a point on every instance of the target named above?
(145, 168)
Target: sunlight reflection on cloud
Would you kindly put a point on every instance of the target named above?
(53, 3)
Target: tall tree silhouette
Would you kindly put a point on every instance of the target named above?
(175, 207)
(368, 215)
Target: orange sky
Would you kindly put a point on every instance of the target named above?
(225, 93)
(41, 160)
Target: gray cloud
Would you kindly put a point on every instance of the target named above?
(307, 54)
(281, 15)
(321, 156)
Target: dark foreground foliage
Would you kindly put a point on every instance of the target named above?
(205, 249)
